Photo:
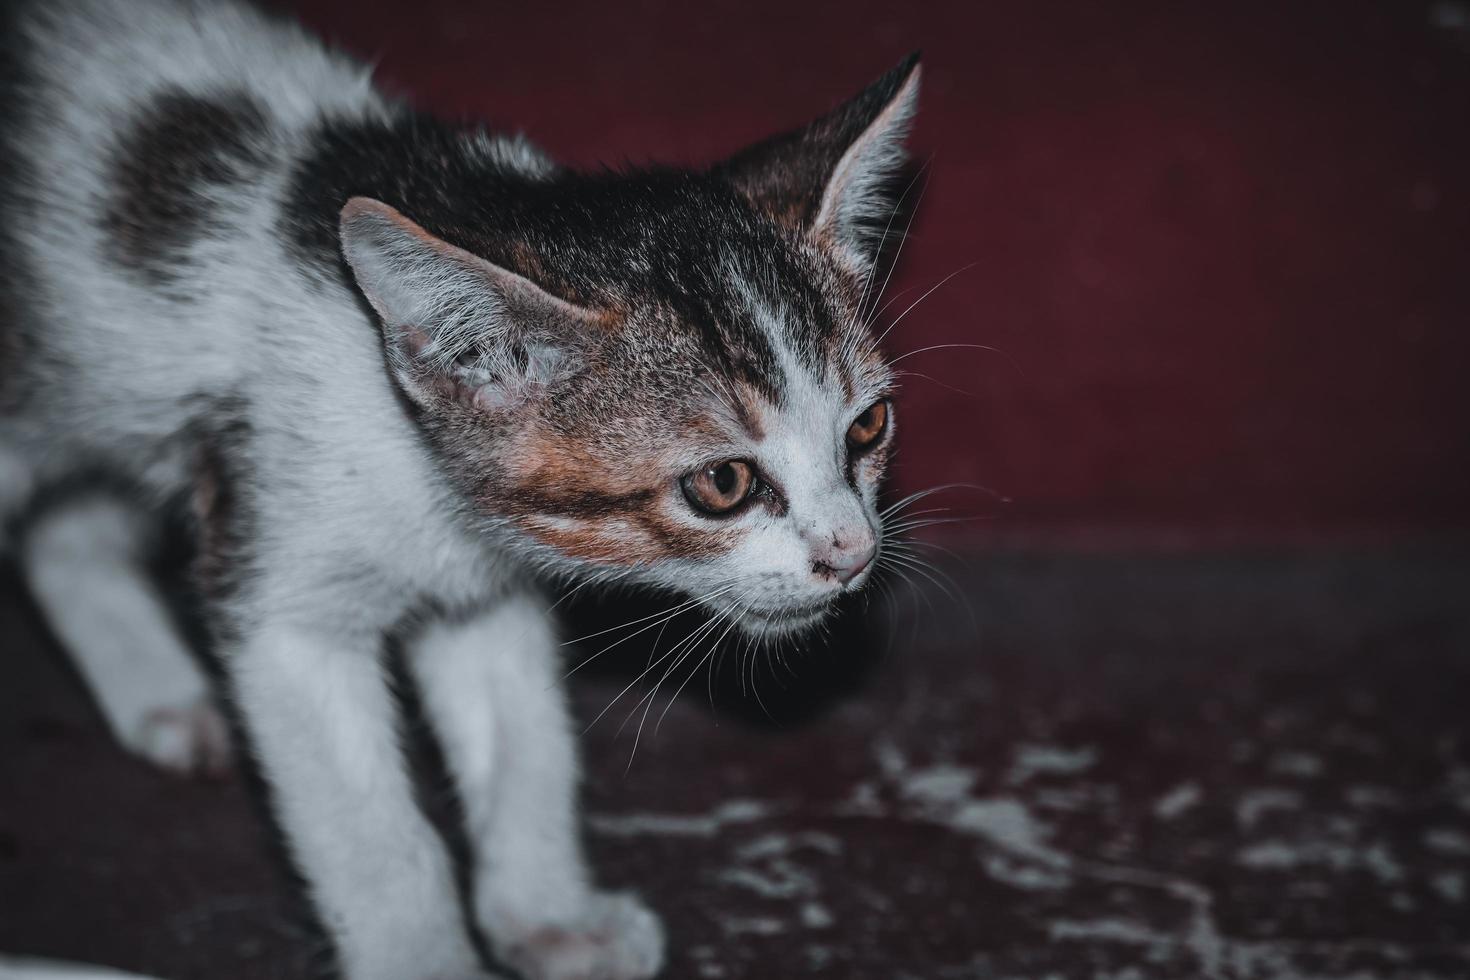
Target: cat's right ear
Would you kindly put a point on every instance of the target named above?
(833, 178)
(455, 325)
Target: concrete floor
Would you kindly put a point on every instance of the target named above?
(1148, 767)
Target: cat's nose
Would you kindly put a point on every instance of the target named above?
(860, 563)
(845, 562)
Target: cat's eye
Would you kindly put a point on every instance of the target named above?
(868, 427)
(720, 487)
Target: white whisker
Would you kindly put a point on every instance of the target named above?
(715, 646)
(929, 292)
(690, 643)
(883, 240)
(893, 263)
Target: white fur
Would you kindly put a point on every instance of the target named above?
(323, 720)
(491, 687)
(29, 968)
(83, 562)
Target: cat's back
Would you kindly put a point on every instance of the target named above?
(146, 143)
(84, 60)
(135, 115)
(146, 131)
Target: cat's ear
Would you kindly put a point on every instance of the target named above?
(833, 177)
(454, 324)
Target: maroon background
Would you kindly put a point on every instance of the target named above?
(1224, 249)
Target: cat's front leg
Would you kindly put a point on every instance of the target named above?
(322, 722)
(492, 688)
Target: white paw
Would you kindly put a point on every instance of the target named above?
(190, 740)
(615, 938)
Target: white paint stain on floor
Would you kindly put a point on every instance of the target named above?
(1173, 804)
(1016, 847)
(680, 825)
(1447, 840)
(1256, 803)
(1283, 855)
(1054, 760)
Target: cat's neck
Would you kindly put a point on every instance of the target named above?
(449, 177)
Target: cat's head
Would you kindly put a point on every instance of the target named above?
(665, 374)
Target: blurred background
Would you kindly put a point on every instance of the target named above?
(1191, 698)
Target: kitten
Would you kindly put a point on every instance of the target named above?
(407, 372)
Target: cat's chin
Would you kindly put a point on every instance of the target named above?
(774, 624)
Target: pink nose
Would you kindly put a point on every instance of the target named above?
(845, 564)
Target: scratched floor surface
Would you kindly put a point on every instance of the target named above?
(1165, 767)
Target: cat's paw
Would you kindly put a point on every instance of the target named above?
(190, 740)
(615, 938)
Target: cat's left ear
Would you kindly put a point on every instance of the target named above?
(833, 178)
(456, 325)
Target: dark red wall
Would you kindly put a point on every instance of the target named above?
(1223, 249)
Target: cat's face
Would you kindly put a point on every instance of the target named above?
(738, 463)
(666, 375)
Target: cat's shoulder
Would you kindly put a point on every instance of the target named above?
(110, 51)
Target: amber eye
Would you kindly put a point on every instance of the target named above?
(868, 427)
(719, 487)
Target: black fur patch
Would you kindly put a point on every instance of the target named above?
(650, 239)
(14, 207)
(162, 169)
(223, 512)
